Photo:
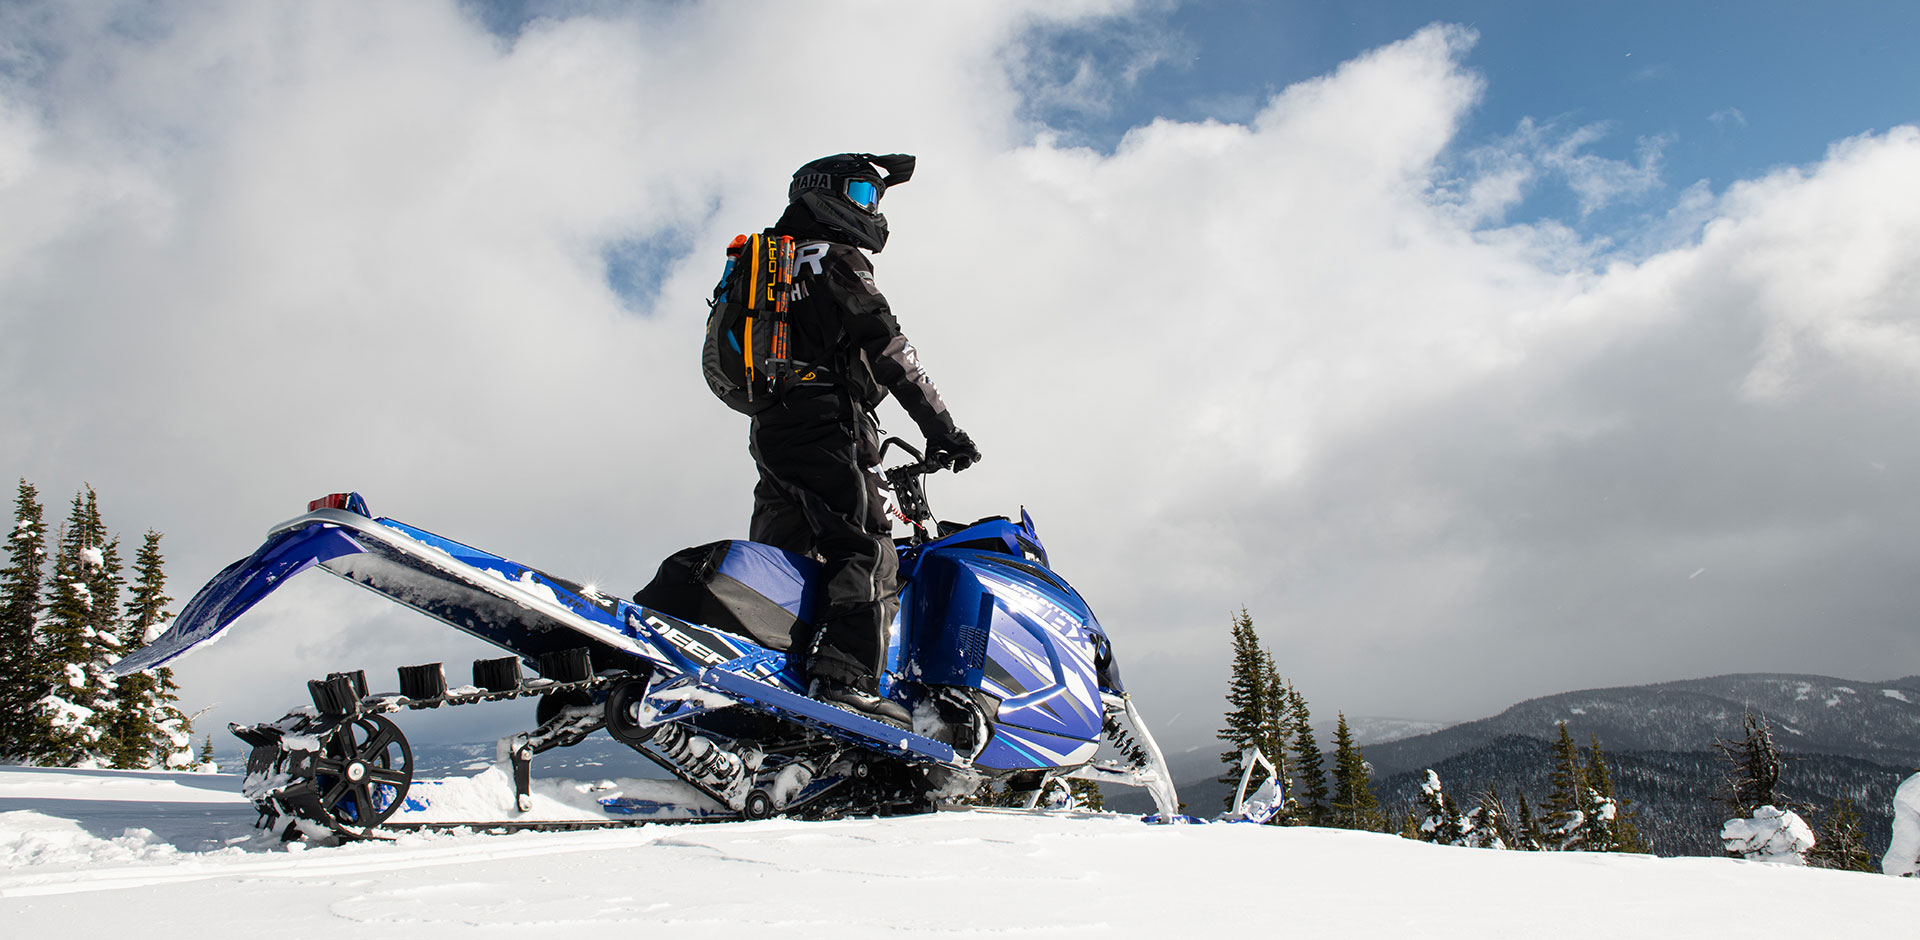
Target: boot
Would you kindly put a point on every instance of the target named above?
(859, 701)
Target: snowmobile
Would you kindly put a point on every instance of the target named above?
(1008, 675)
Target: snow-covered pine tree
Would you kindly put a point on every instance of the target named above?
(82, 631)
(1621, 834)
(1487, 826)
(1596, 800)
(1247, 717)
(1309, 765)
(149, 729)
(1430, 808)
(1440, 819)
(1526, 830)
(22, 667)
(1564, 827)
(1843, 844)
(1354, 804)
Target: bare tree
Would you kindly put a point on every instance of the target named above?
(1752, 776)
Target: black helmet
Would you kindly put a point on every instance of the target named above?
(843, 192)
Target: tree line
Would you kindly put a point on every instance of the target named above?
(67, 612)
(1581, 811)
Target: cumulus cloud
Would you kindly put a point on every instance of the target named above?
(259, 252)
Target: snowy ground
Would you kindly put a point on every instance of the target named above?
(72, 868)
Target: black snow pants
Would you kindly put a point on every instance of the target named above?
(819, 494)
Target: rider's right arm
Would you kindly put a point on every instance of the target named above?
(874, 331)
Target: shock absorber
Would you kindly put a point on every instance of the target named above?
(709, 763)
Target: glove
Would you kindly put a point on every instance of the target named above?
(953, 449)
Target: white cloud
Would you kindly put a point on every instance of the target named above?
(257, 252)
(1727, 117)
(1503, 172)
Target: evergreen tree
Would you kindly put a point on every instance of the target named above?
(1247, 717)
(1617, 832)
(1275, 735)
(1403, 821)
(1440, 819)
(1526, 831)
(22, 665)
(1596, 800)
(1309, 765)
(206, 752)
(1354, 804)
(1565, 826)
(149, 729)
(82, 630)
(1087, 795)
(1487, 824)
(1842, 844)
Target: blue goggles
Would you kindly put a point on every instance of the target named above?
(863, 193)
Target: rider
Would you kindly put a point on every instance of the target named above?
(816, 451)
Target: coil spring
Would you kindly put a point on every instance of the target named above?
(713, 764)
(1122, 741)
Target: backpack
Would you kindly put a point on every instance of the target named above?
(747, 357)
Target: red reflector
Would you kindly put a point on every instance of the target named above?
(333, 501)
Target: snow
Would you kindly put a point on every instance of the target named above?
(527, 585)
(190, 868)
(1895, 694)
(94, 557)
(69, 717)
(489, 795)
(1903, 853)
(1772, 835)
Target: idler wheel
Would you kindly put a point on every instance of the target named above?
(759, 805)
(623, 720)
(361, 775)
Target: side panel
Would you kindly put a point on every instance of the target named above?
(988, 620)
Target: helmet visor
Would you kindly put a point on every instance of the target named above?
(863, 193)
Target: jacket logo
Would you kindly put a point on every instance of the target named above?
(810, 255)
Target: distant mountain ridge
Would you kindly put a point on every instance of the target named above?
(1842, 737)
(1871, 721)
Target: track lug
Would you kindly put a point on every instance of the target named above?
(425, 682)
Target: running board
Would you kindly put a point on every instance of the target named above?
(832, 719)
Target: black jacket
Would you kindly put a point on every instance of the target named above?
(841, 322)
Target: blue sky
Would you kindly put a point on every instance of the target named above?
(1730, 89)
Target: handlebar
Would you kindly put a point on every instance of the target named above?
(905, 482)
(922, 464)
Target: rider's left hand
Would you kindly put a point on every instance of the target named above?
(953, 449)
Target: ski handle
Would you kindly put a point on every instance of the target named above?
(907, 483)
